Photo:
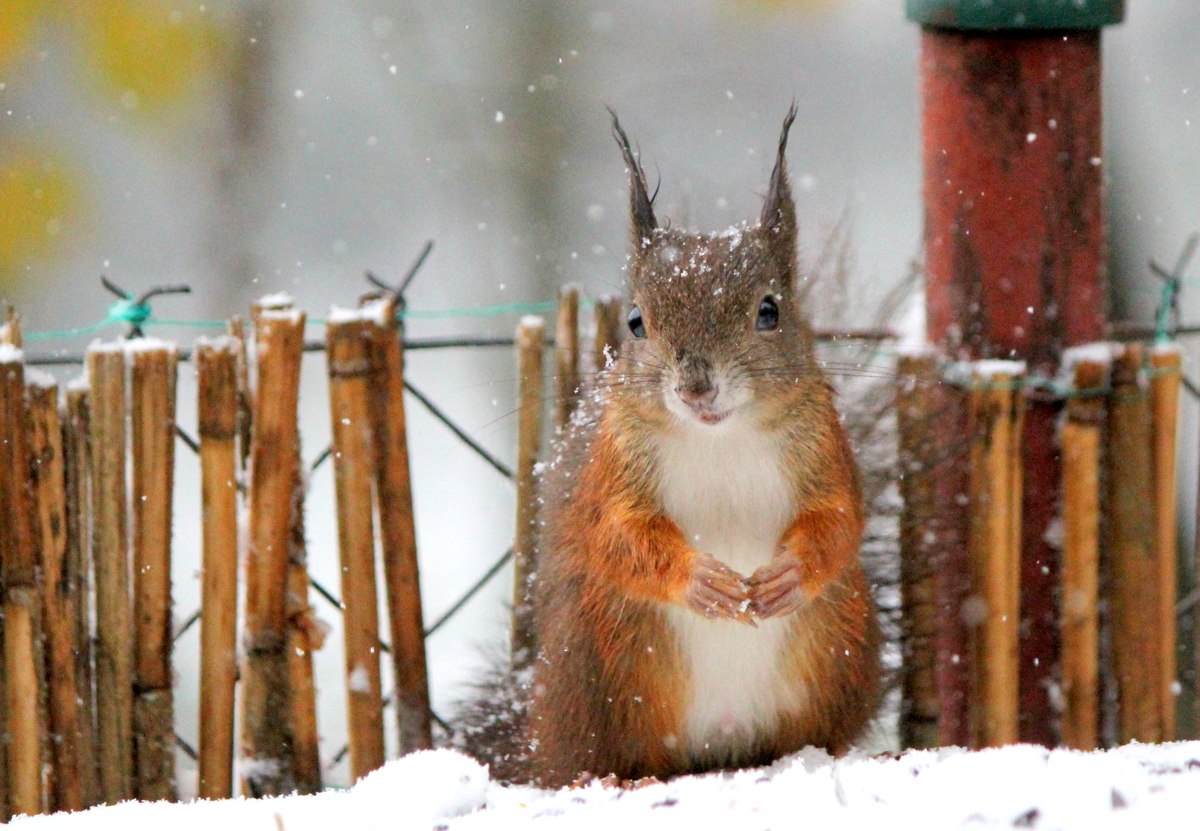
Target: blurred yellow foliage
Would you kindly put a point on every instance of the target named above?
(148, 53)
(36, 200)
(17, 19)
(145, 56)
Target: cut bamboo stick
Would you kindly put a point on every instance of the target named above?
(10, 329)
(917, 424)
(267, 724)
(608, 330)
(237, 330)
(410, 691)
(993, 609)
(1081, 453)
(5, 801)
(153, 381)
(110, 547)
(24, 717)
(18, 571)
(531, 338)
(216, 369)
(1165, 377)
(1132, 547)
(566, 355)
(304, 636)
(350, 382)
(76, 447)
(59, 602)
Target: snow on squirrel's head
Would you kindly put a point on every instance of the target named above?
(716, 322)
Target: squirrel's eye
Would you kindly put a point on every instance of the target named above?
(768, 314)
(635, 323)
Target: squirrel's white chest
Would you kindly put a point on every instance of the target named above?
(727, 491)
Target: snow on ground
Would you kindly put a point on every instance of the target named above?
(1132, 787)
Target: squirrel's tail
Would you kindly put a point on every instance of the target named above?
(491, 724)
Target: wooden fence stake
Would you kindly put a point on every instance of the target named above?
(58, 598)
(237, 330)
(18, 570)
(77, 453)
(566, 355)
(110, 546)
(267, 723)
(608, 330)
(917, 426)
(398, 535)
(1081, 453)
(1132, 549)
(531, 338)
(993, 608)
(350, 381)
(303, 635)
(216, 369)
(1165, 377)
(152, 397)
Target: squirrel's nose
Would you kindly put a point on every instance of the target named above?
(698, 394)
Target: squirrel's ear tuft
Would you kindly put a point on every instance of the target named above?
(779, 211)
(641, 203)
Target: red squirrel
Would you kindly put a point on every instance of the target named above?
(699, 601)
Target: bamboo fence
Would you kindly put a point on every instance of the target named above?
(217, 379)
(1119, 543)
(394, 502)
(86, 486)
(1082, 443)
(351, 377)
(531, 335)
(993, 609)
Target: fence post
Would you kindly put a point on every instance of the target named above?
(18, 569)
(1165, 377)
(216, 370)
(152, 396)
(348, 340)
(397, 532)
(916, 380)
(608, 330)
(58, 598)
(77, 458)
(993, 608)
(237, 330)
(1081, 455)
(267, 722)
(1132, 549)
(531, 337)
(110, 545)
(566, 355)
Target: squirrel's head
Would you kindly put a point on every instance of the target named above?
(716, 329)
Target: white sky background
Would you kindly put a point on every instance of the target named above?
(361, 163)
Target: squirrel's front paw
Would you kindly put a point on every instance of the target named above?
(776, 589)
(717, 590)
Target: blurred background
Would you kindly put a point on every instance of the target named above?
(249, 146)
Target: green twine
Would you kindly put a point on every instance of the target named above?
(126, 311)
(122, 311)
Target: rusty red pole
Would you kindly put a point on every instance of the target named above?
(1015, 252)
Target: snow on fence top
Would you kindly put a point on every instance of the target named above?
(10, 354)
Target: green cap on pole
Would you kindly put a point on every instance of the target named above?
(1016, 14)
